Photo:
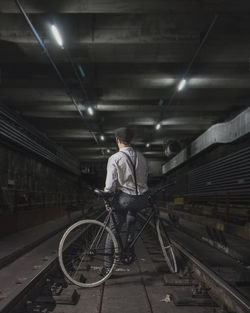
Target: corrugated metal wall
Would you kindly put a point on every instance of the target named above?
(226, 179)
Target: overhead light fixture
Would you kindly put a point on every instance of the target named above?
(81, 70)
(102, 138)
(57, 35)
(181, 85)
(90, 111)
(158, 126)
(147, 145)
(108, 151)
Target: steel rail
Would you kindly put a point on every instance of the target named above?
(7, 308)
(222, 283)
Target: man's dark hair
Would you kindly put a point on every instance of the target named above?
(124, 134)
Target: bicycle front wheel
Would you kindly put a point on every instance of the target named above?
(166, 246)
(82, 252)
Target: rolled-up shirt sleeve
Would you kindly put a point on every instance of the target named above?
(112, 176)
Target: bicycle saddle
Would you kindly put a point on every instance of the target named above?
(101, 193)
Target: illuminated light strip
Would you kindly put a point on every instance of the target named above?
(57, 35)
(182, 84)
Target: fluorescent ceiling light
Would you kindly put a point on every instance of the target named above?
(57, 35)
(147, 145)
(158, 126)
(102, 137)
(181, 84)
(90, 111)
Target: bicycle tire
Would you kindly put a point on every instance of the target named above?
(166, 247)
(67, 243)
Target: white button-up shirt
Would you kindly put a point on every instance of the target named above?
(120, 172)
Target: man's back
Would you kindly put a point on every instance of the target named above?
(120, 174)
(127, 177)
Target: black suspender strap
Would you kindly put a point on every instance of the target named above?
(134, 170)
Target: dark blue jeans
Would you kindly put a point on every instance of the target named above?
(124, 209)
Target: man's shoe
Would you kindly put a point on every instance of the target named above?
(104, 271)
(128, 256)
(129, 259)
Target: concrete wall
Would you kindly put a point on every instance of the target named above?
(32, 191)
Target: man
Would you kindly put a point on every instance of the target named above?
(127, 178)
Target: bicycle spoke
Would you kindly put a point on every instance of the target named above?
(82, 254)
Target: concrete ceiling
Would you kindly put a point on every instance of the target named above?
(134, 53)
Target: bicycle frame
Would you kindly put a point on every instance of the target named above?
(153, 213)
(93, 245)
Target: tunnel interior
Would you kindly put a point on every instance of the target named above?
(175, 72)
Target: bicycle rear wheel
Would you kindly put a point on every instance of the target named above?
(166, 246)
(82, 251)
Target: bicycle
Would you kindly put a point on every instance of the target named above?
(82, 247)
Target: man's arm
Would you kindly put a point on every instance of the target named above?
(111, 178)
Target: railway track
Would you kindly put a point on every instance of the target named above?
(145, 286)
(35, 271)
(226, 280)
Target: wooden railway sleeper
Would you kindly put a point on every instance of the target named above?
(200, 291)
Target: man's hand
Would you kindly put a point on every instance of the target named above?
(107, 206)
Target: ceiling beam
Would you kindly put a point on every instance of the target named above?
(216, 52)
(138, 81)
(119, 94)
(170, 130)
(125, 6)
(183, 105)
(28, 70)
(110, 122)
